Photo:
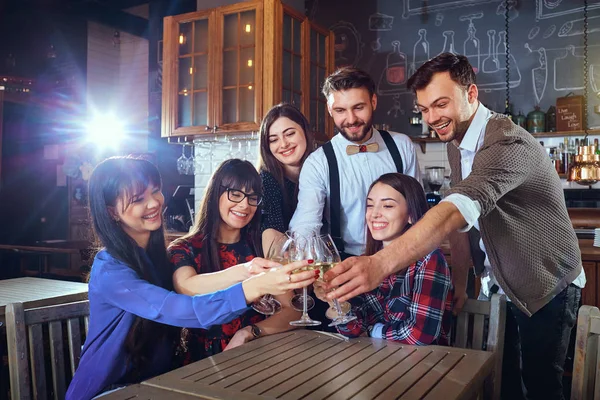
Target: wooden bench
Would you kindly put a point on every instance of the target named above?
(25, 337)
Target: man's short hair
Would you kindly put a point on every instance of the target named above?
(458, 66)
(348, 78)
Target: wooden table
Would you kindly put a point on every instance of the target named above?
(306, 364)
(39, 292)
(40, 251)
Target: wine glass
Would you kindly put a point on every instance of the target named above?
(304, 250)
(279, 251)
(436, 178)
(300, 301)
(182, 162)
(330, 257)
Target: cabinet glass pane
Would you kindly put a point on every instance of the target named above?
(246, 104)
(200, 109)
(314, 83)
(230, 68)
(297, 100)
(322, 49)
(184, 109)
(321, 119)
(313, 46)
(229, 105)
(313, 115)
(185, 38)
(185, 74)
(297, 36)
(297, 72)
(247, 66)
(286, 96)
(248, 22)
(200, 72)
(321, 79)
(230, 31)
(286, 76)
(201, 36)
(287, 32)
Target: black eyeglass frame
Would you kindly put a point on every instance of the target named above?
(246, 195)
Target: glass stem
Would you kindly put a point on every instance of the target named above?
(305, 303)
(338, 308)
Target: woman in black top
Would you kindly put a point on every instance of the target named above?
(285, 142)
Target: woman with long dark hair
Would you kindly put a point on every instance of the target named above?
(224, 248)
(133, 310)
(285, 142)
(415, 305)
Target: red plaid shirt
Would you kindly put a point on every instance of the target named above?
(414, 306)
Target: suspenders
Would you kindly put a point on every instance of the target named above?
(335, 204)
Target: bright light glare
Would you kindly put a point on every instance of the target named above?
(105, 131)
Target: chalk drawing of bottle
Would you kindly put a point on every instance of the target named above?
(420, 51)
(501, 48)
(471, 46)
(396, 65)
(448, 42)
(490, 64)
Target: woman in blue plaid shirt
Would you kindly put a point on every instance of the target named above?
(415, 305)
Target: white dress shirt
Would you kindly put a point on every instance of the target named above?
(357, 172)
(471, 210)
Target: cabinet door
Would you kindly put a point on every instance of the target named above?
(238, 80)
(321, 65)
(187, 61)
(293, 57)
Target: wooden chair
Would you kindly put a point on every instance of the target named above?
(470, 332)
(25, 336)
(586, 368)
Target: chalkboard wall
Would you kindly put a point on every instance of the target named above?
(391, 38)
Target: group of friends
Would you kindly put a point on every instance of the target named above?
(154, 308)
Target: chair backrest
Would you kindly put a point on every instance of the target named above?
(26, 332)
(586, 371)
(480, 325)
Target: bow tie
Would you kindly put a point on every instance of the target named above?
(362, 148)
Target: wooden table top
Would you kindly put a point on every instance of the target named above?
(39, 292)
(306, 364)
(145, 392)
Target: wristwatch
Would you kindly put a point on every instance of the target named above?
(370, 329)
(255, 330)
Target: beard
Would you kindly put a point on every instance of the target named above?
(360, 135)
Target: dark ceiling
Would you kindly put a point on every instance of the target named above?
(108, 12)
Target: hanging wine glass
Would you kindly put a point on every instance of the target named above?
(279, 251)
(190, 162)
(329, 258)
(304, 250)
(239, 153)
(182, 162)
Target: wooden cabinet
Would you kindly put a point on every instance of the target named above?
(589, 294)
(223, 68)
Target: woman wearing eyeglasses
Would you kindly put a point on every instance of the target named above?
(222, 249)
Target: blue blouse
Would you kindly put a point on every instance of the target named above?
(117, 296)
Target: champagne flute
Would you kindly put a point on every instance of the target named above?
(339, 312)
(279, 251)
(304, 250)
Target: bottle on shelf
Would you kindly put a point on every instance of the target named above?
(564, 155)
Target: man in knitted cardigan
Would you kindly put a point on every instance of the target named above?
(505, 214)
